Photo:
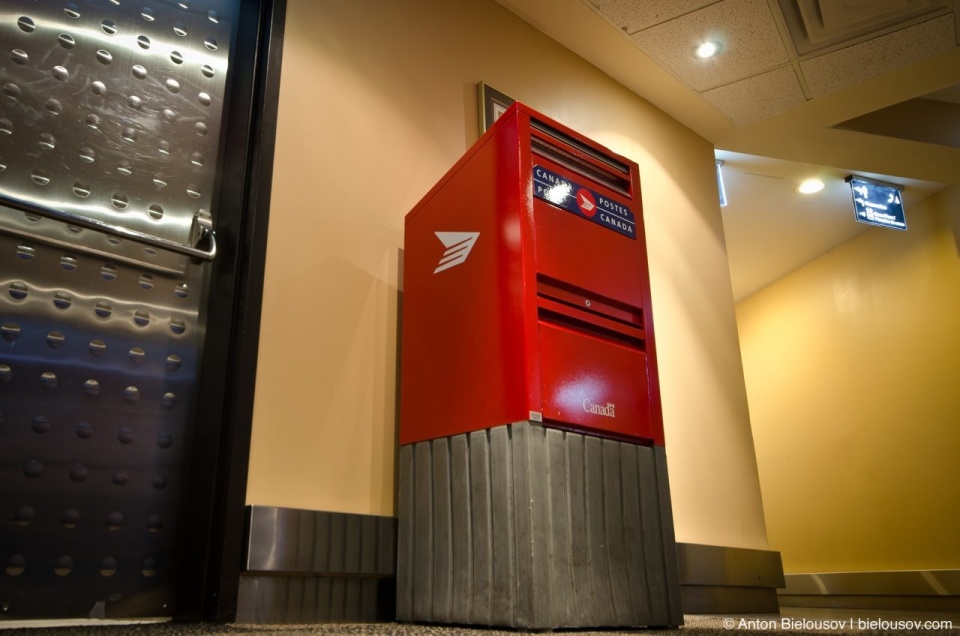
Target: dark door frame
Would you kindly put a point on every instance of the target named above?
(212, 524)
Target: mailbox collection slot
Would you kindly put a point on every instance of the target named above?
(579, 158)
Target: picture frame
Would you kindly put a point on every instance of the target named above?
(492, 104)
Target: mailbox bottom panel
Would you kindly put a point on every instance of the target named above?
(530, 527)
(593, 384)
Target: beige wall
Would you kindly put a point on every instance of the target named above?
(377, 101)
(854, 385)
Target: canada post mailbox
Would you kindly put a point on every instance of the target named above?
(526, 294)
(532, 477)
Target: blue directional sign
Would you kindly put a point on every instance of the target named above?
(877, 204)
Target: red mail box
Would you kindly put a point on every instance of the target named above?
(526, 293)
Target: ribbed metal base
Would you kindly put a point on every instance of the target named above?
(266, 600)
(531, 527)
(311, 566)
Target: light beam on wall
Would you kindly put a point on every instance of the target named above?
(720, 188)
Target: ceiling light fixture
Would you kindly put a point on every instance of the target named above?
(708, 49)
(810, 186)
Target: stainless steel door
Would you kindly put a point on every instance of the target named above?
(110, 124)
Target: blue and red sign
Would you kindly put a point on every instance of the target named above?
(584, 202)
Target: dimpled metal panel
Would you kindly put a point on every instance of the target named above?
(110, 110)
(98, 362)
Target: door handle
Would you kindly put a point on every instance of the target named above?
(204, 241)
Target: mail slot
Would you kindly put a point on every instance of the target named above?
(526, 292)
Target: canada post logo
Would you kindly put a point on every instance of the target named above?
(584, 202)
(459, 245)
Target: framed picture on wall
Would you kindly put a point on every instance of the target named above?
(493, 103)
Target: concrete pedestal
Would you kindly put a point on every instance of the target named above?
(530, 527)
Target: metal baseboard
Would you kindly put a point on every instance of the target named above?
(725, 580)
(304, 599)
(305, 566)
(536, 528)
(720, 599)
(918, 590)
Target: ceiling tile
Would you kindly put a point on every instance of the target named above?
(834, 71)
(745, 28)
(633, 15)
(758, 97)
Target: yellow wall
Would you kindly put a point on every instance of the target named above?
(853, 375)
(377, 100)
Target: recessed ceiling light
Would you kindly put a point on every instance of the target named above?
(708, 49)
(810, 186)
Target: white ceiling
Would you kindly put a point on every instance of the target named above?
(771, 230)
(801, 88)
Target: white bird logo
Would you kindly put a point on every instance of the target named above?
(458, 246)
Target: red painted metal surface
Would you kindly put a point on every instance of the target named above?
(517, 308)
(591, 383)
